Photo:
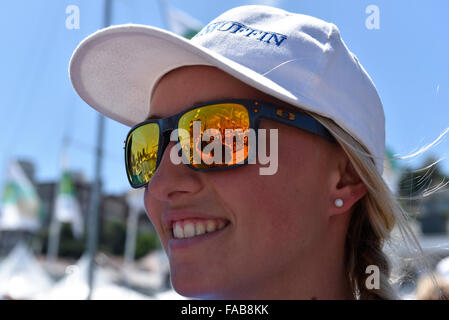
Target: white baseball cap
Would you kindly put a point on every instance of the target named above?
(296, 58)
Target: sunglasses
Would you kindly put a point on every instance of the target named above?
(147, 141)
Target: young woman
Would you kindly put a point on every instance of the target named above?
(315, 228)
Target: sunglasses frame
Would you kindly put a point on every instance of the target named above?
(258, 110)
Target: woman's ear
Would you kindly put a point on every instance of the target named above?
(347, 188)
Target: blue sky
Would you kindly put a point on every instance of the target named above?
(408, 59)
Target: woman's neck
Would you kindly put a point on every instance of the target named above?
(298, 281)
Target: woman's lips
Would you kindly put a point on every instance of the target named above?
(170, 217)
(186, 228)
(175, 243)
(194, 227)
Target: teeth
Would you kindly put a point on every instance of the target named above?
(178, 231)
(189, 229)
(211, 226)
(200, 229)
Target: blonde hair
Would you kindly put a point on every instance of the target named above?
(372, 221)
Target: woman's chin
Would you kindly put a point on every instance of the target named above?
(194, 288)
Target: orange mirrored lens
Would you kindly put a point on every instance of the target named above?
(141, 154)
(228, 122)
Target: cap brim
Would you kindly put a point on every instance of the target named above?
(115, 69)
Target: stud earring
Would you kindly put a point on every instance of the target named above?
(338, 203)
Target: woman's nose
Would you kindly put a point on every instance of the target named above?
(172, 181)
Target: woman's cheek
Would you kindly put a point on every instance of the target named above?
(153, 210)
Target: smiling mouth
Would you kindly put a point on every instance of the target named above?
(191, 228)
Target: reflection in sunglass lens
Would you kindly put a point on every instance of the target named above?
(141, 154)
(229, 121)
